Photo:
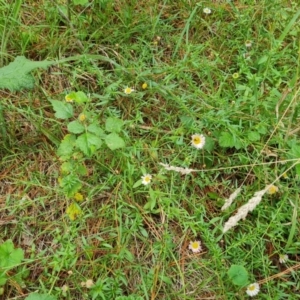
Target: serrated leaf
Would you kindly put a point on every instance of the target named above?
(16, 75)
(66, 146)
(253, 136)
(88, 143)
(226, 140)
(62, 110)
(113, 124)
(96, 129)
(114, 141)
(76, 127)
(9, 256)
(37, 296)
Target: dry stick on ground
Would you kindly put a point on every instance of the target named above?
(288, 270)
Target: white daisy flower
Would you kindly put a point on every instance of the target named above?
(195, 246)
(146, 179)
(198, 141)
(252, 289)
(283, 258)
(128, 90)
(207, 10)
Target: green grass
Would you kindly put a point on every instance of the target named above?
(130, 239)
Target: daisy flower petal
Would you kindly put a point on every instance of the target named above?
(195, 246)
(252, 289)
(146, 179)
(198, 141)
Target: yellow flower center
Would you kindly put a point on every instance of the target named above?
(144, 86)
(128, 90)
(147, 178)
(252, 287)
(197, 140)
(82, 117)
(195, 245)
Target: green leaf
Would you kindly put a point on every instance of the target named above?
(96, 129)
(16, 75)
(253, 136)
(80, 2)
(71, 185)
(3, 279)
(75, 127)
(114, 141)
(78, 97)
(113, 124)
(88, 143)
(238, 275)
(37, 296)
(226, 140)
(63, 110)
(9, 256)
(66, 146)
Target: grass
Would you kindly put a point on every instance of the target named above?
(133, 240)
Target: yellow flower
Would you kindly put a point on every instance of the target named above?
(235, 75)
(68, 98)
(81, 117)
(78, 197)
(128, 90)
(144, 85)
(272, 189)
(198, 141)
(195, 246)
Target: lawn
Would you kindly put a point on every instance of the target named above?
(149, 149)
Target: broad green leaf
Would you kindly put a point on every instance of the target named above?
(113, 124)
(238, 275)
(63, 110)
(37, 296)
(81, 97)
(226, 140)
(16, 75)
(114, 141)
(3, 279)
(253, 136)
(9, 256)
(66, 146)
(88, 143)
(96, 129)
(76, 127)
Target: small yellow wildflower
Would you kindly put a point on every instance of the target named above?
(144, 85)
(198, 141)
(146, 179)
(82, 117)
(195, 246)
(285, 176)
(78, 197)
(272, 189)
(68, 98)
(235, 75)
(128, 90)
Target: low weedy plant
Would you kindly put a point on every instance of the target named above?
(149, 150)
